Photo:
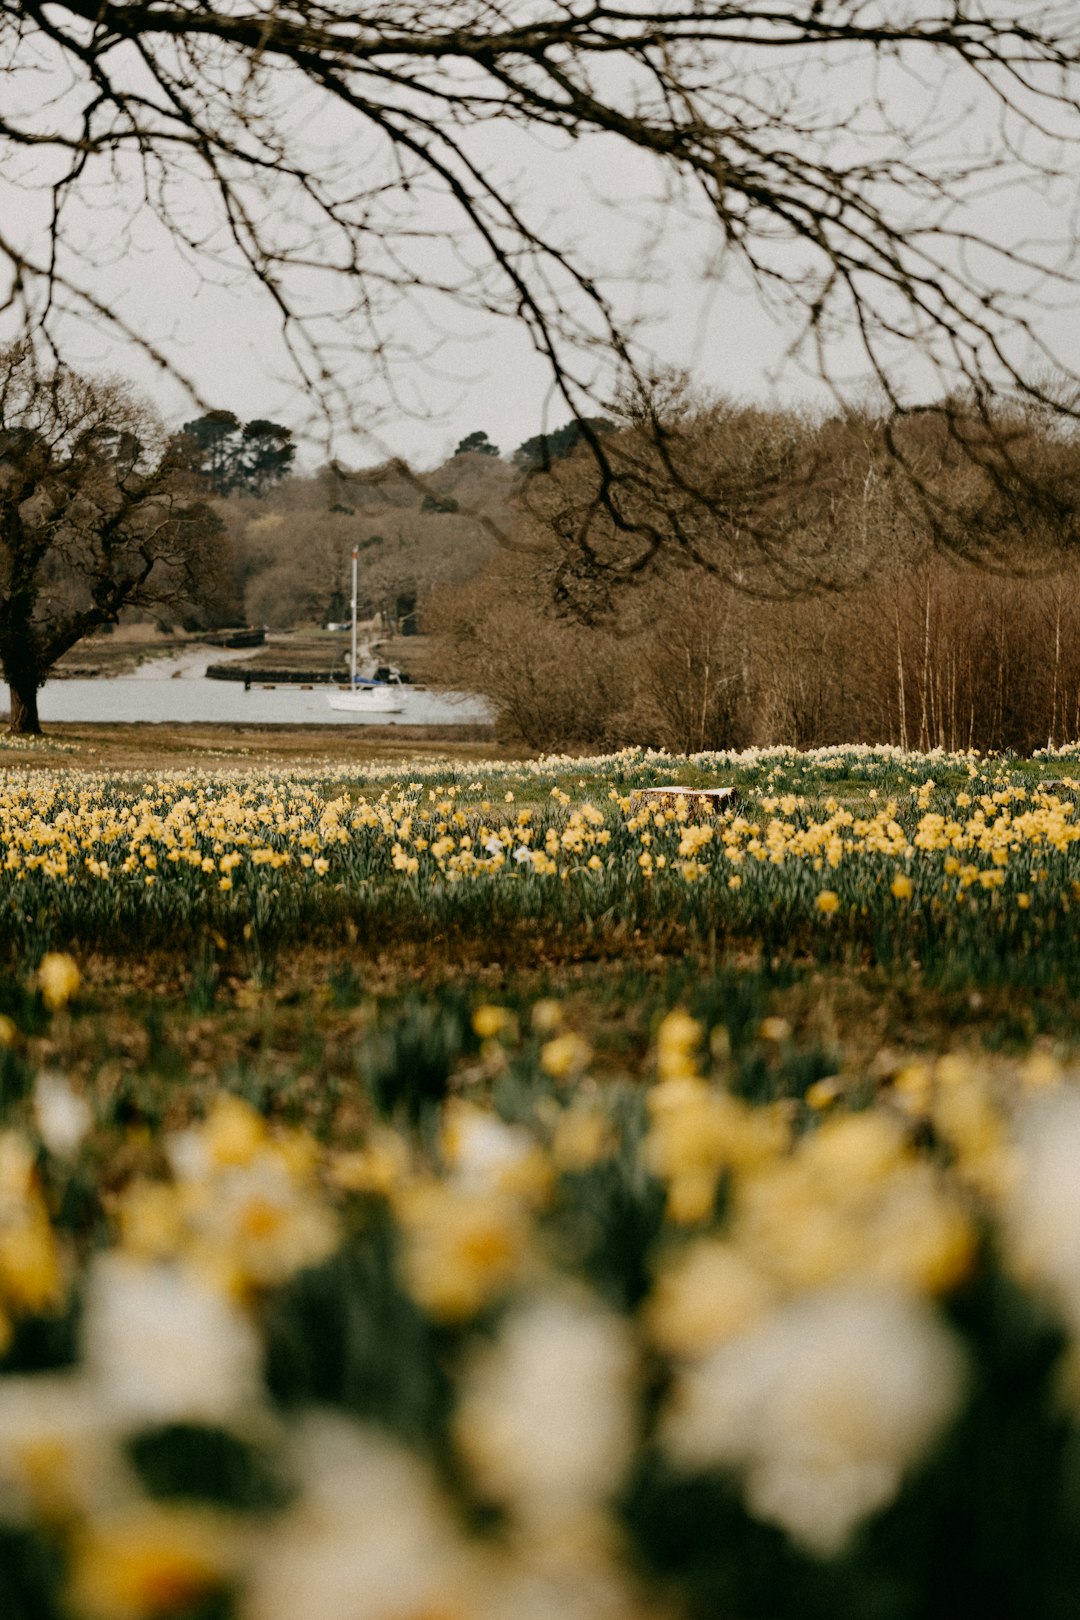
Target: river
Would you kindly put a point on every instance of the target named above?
(175, 691)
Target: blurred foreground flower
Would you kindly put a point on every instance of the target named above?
(62, 1116)
(370, 1536)
(1042, 1212)
(484, 1152)
(247, 1211)
(678, 1042)
(58, 978)
(546, 1417)
(150, 1561)
(707, 1294)
(565, 1057)
(58, 1457)
(490, 1021)
(32, 1275)
(164, 1345)
(462, 1247)
(822, 1409)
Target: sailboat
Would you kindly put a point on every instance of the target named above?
(364, 696)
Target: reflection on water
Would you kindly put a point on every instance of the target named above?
(120, 698)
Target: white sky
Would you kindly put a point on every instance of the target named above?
(485, 376)
(485, 373)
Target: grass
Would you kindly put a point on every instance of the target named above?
(102, 747)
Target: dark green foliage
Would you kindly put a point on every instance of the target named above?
(541, 451)
(476, 444)
(205, 974)
(345, 984)
(233, 455)
(694, 1532)
(215, 1606)
(344, 1334)
(16, 1079)
(768, 1071)
(993, 1524)
(214, 436)
(607, 1219)
(43, 1343)
(267, 452)
(735, 1001)
(192, 1462)
(408, 1061)
(31, 1576)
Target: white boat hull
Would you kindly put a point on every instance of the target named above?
(368, 700)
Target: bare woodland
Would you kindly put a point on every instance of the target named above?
(290, 554)
(936, 655)
(832, 601)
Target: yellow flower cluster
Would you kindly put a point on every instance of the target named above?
(237, 833)
(242, 1209)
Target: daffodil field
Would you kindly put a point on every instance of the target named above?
(972, 869)
(498, 1194)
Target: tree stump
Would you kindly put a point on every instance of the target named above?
(699, 801)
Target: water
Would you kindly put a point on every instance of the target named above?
(175, 691)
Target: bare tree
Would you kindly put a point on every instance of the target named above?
(825, 139)
(97, 513)
(976, 646)
(764, 500)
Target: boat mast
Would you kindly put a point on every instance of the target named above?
(352, 657)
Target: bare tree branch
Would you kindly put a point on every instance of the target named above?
(822, 138)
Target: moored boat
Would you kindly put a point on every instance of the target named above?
(380, 693)
(378, 697)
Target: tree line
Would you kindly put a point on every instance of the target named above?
(722, 574)
(836, 156)
(767, 576)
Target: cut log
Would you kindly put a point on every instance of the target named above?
(698, 801)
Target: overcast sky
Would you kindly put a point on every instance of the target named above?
(483, 373)
(472, 372)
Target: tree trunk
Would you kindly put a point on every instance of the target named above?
(24, 710)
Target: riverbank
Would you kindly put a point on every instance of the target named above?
(129, 649)
(287, 655)
(101, 746)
